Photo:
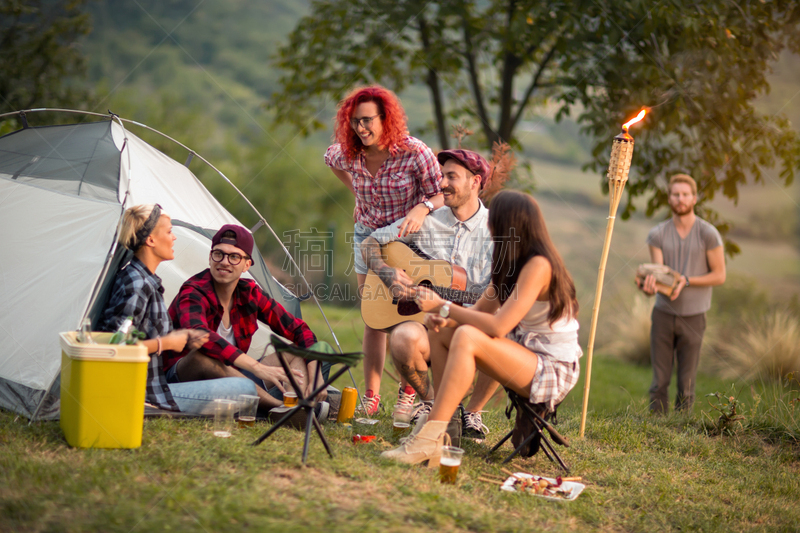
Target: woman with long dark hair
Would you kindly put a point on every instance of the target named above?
(393, 176)
(522, 332)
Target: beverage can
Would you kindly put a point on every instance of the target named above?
(347, 407)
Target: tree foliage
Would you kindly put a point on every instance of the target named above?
(38, 53)
(698, 65)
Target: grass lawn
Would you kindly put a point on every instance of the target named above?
(642, 474)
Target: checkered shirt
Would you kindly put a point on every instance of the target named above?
(197, 306)
(139, 294)
(403, 181)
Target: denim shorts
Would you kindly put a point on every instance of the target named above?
(361, 232)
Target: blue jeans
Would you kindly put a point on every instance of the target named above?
(197, 397)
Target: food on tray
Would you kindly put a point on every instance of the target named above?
(542, 486)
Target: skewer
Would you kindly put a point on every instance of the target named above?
(574, 478)
(510, 473)
(493, 481)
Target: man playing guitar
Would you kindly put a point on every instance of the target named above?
(457, 233)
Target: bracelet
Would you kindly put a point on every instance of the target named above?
(158, 352)
(687, 280)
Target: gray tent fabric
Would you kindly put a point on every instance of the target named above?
(63, 190)
(77, 159)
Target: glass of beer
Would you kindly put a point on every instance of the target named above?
(289, 395)
(223, 417)
(401, 421)
(449, 463)
(248, 405)
(289, 398)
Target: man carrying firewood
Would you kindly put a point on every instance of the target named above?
(693, 248)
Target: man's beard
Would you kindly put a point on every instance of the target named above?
(681, 209)
(457, 199)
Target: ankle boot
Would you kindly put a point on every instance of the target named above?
(425, 445)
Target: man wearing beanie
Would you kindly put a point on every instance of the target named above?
(457, 233)
(227, 306)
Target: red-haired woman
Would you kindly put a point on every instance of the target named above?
(393, 176)
(522, 333)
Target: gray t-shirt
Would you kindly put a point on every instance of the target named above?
(467, 244)
(687, 256)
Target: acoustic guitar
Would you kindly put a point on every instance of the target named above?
(380, 310)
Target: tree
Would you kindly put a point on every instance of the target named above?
(698, 65)
(38, 53)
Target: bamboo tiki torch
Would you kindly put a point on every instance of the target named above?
(618, 168)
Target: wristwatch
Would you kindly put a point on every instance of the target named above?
(429, 205)
(444, 312)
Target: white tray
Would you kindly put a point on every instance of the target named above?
(576, 488)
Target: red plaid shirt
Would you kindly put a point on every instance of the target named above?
(197, 306)
(403, 181)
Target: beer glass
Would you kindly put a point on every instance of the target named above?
(223, 417)
(248, 404)
(449, 463)
(289, 395)
(401, 420)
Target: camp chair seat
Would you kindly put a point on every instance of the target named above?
(533, 424)
(307, 403)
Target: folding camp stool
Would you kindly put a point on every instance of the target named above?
(304, 403)
(537, 417)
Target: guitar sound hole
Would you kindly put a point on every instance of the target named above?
(407, 308)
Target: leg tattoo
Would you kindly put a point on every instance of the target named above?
(417, 379)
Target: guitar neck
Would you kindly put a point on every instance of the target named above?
(455, 295)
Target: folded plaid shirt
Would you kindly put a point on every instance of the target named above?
(139, 294)
(197, 306)
(403, 181)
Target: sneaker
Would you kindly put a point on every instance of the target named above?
(321, 410)
(473, 427)
(371, 405)
(406, 395)
(422, 409)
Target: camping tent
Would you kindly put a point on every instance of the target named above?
(63, 190)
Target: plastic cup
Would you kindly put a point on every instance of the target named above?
(289, 398)
(223, 417)
(248, 405)
(449, 463)
(401, 423)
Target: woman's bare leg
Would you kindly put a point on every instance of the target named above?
(439, 346)
(374, 347)
(503, 360)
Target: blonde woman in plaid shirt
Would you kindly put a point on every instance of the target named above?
(393, 176)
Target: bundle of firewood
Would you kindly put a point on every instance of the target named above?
(666, 278)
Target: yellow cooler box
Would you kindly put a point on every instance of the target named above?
(102, 392)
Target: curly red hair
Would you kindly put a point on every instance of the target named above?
(392, 114)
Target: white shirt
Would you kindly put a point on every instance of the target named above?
(467, 244)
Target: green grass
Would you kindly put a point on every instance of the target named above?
(642, 473)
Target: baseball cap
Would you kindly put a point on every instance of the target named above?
(472, 161)
(242, 238)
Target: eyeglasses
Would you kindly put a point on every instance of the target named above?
(234, 258)
(365, 122)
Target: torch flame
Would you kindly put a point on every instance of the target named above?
(639, 117)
